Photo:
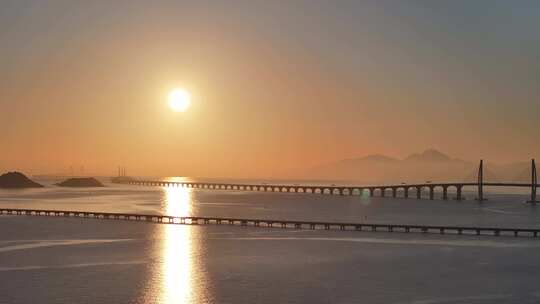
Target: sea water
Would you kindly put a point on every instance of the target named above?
(72, 260)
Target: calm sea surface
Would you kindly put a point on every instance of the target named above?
(68, 260)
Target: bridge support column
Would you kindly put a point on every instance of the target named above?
(418, 192)
(458, 192)
(534, 182)
(406, 192)
(383, 190)
(431, 192)
(445, 193)
(394, 192)
(371, 190)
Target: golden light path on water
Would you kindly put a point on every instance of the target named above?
(178, 260)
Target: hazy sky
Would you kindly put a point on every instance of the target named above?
(277, 85)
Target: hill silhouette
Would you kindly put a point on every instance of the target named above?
(428, 155)
(429, 165)
(81, 182)
(17, 180)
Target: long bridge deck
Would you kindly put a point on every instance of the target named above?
(381, 190)
(313, 225)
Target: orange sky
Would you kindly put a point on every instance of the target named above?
(275, 89)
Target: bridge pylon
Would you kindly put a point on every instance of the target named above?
(534, 182)
(481, 182)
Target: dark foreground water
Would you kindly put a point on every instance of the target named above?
(67, 260)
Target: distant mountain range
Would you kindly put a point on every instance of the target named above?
(430, 155)
(429, 165)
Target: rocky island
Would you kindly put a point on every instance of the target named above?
(81, 182)
(17, 180)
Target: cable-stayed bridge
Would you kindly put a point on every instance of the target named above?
(417, 190)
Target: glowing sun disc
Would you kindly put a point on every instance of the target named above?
(179, 100)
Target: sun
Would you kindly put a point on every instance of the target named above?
(179, 100)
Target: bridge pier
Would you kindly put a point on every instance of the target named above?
(406, 192)
(445, 193)
(418, 192)
(431, 192)
(458, 192)
(383, 190)
(371, 190)
(394, 192)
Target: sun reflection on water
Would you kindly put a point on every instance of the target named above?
(178, 201)
(177, 270)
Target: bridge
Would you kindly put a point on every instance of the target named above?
(381, 190)
(312, 225)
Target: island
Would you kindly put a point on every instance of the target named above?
(17, 180)
(81, 182)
